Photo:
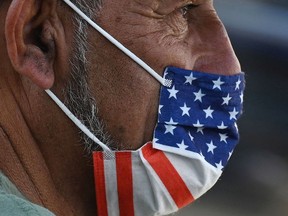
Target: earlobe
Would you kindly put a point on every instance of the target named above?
(30, 42)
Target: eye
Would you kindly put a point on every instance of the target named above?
(187, 8)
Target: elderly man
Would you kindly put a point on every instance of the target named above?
(46, 164)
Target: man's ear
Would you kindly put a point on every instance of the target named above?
(30, 38)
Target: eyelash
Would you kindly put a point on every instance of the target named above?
(187, 8)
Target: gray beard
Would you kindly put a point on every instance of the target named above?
(78, 97)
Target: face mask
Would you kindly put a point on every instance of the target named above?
(193, 140)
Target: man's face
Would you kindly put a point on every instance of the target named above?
(185, 34)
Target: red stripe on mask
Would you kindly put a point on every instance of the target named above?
(125, 183)
(100, 183)
(168, 175)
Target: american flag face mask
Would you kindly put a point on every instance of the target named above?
(194, 138)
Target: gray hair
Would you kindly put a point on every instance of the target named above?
(78, 97)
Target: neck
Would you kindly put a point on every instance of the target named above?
(44, 161)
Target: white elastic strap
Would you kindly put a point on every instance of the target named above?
(163, 81)
(76, 121)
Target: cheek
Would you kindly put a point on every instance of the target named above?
(161, 45)
(174, 26)
(159, 42)
(172, 40)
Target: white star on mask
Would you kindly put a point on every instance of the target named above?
(217, 84)
(223, 137)
(155, 140)
(201, 154)
(160, 107)
(190, 79)
(191, 137)
(199, 127)
(170, 129)
(211, 147)
(222, 126)
(182, 145)
(170, 126)
(185, 110)
(226, 99)
(233, 114)
(238, 84)
(173, 92)
(219, 165)
(199, 96)
(208, 112)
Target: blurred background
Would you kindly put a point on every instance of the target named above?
(255, 182)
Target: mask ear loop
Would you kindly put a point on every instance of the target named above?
(76, 121)
(164, 82)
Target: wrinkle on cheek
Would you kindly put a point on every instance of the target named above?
(165, 32)
(176, 26)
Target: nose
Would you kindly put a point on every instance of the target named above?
(216, 52)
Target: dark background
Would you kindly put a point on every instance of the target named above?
(255, 182)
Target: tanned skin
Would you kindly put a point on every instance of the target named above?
(41, 151)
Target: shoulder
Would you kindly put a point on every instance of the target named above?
(13, 203)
